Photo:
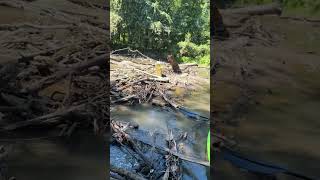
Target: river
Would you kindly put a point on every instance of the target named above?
(155, 120)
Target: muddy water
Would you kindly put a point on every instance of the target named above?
(285, 128)
(158, 120)
(282, 126)
(80, 157)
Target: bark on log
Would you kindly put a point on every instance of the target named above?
(273, 8)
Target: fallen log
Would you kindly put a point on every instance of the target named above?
(122, 135)
(44, 82)
(45, 118)
(126, 173)
(34, 26)
(124, 99)
(163, 150)
(173, 104)
(179, 155)
(273, 8)
(28, 57)
(164, 80)
(159, 77)
(12, 4)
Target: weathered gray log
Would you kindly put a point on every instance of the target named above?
(164, 80)
(34, 26)
(273, 8)
(124, 99)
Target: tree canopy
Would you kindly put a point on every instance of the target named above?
(178, 26)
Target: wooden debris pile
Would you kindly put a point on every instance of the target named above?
(246, 30)
(133, 78)
(53, 68)
(169, 147)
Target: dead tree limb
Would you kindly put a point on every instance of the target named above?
(34, 26)
(45, 118)
(124, 99)
(126, 173)
(164, 80)
(179, 155)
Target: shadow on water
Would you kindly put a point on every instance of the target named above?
(79, 157)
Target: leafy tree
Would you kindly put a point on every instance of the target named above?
(159, 25)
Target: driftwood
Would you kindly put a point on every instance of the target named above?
(164, 80)
(122, 136)
(12, 4)
(126, 173)
(273, 8)
(42, 83)
(126, 136)
(159, 77)
(179, 155)
(34, 26)
(173, 104)
(124, 99)
(29, 57)
(48, 118)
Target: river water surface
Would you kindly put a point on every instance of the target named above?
(155, 120)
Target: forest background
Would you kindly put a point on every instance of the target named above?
(160, 27)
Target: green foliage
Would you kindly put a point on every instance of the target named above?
(161, 26)
(304, 7)
(191, 52)
(188, 48)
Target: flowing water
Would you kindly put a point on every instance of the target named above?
(154, 121)
(282, 126)
(80, 157)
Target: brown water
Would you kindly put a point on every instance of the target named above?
(80, 157)
(283, 126)
(157, 120)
